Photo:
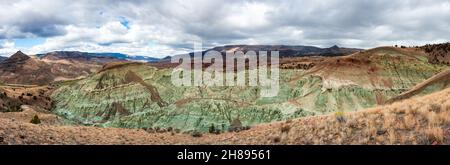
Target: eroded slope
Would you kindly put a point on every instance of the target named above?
(140, 96)
(424, 120)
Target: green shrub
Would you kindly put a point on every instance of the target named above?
(196, 134)
(35, 120)
(235, 125)
(214, 130)
(285, 128)
(340, 116)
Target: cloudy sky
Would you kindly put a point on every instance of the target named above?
(160, 28)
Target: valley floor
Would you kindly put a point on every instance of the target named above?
(421, 120)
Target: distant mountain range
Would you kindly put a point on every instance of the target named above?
(3, 58)
(45, 68)
(289, 51)
(92, 56)
(97, 56)
(284, 50)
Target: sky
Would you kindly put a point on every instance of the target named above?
(160, 28)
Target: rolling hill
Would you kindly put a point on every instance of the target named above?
(284, 50)
(423, 121)
(30, 70)
(43, 69)
(438, 82)
(321, 101)
(141, 96)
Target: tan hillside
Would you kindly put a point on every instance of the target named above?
(438, 53)
(32, 70)
(12, 97)
(378, 68)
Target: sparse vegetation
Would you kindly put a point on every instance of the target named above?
(435, 108)
(13, 107)
(435, 135)
(276, 139)
(285, 128)
(196, 134)
(340, 116)
(213, 129)
(438, 53)
(235, 125)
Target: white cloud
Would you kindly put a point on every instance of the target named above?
(250, 15)
(160, 28)
(7, 48)
(112, 37)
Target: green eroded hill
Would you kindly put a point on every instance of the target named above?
(141, 96)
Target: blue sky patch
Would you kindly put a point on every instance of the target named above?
(124, 21)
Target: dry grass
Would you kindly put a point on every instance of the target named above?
(410, 121)
(422, 120)
(435, 135)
